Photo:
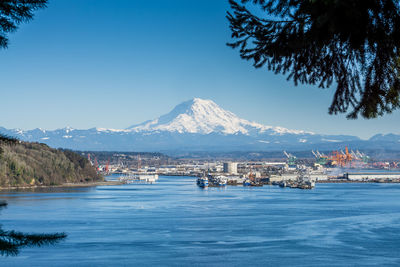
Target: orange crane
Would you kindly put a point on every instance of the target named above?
(341, 158)
(348, 156)
(107, 166)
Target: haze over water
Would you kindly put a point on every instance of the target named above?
(174, 222)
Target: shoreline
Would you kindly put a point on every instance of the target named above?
(65, 185)
(109, 183)
(357, 182)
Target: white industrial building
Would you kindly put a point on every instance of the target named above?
(372, 176)
(231, 167)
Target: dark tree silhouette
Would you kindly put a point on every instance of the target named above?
(14, 12)
(351, 44)
(12, 241)
(8, 139)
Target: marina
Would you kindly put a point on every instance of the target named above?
(339, 166)
(300, 181)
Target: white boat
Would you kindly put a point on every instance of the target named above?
(139, 178)
(220, 181)
(150, 178)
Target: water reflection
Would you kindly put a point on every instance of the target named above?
(47, 190)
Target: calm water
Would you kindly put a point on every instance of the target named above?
(176, 223)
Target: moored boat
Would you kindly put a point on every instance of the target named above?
(219, 181)
(282, 184)
(247, 182)
(202, 181)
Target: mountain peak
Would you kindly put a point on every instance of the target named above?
(204, 116)
(200, 101)
(194, 116)
(194, 105)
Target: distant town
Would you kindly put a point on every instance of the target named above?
(288, 171)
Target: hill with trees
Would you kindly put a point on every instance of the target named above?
(36, 164)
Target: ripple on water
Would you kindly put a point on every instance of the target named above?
(173, 222)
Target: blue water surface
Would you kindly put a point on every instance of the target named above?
(175, 223)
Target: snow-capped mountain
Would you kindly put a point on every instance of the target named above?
(204, 117)
(197, 125)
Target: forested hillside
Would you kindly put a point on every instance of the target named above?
(35, 164)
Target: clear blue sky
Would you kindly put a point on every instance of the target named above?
(114, 63)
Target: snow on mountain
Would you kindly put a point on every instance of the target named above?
(193, 125)
(386, 138)
(203, 117)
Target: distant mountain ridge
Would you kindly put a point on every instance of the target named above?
(198, 125)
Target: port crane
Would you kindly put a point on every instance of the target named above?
(96, 164)
(340, 158)
(354, 155)
(291, 159)
(321, 158)
(107, 170)
(362, 156)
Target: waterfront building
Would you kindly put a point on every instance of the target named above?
(230, 167)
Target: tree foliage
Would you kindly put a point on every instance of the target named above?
(34, 164)
(14, 12)
(12, 241)
(351, 44)
(4, 139)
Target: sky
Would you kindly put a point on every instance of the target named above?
(111, 64)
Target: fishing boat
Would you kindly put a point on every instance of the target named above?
(220, 181)
(202, 181)
(247, 182)
(304, 181)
